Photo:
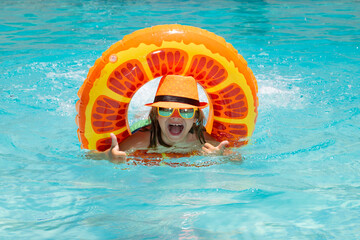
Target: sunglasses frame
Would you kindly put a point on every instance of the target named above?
(177, 109)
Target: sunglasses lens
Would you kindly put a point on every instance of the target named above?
(165, 112)
(187, 113)
(184, 113)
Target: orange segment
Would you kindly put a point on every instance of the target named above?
(229, 131)
(207, 71)
(167, 61)
(126, 79)
(230, 102)
(108, 115)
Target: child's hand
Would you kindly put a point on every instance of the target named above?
(115, 155)
(219, 150)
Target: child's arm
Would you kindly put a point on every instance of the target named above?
(114, 153)
(117, 154)
(208, 148)
(214, 147)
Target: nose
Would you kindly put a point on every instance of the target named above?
(176, 114)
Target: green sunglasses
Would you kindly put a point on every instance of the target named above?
(186, 113)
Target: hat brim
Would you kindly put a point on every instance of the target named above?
(176, 105)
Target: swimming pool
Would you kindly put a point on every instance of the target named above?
(299, 178)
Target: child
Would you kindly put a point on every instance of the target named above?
(176, 121)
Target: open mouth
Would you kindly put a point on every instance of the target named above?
(175, 129)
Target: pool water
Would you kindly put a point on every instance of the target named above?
(299, 175)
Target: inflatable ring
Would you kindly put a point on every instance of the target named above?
(153, 52)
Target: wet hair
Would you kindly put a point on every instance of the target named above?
(155, 130)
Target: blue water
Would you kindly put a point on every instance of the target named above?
(299, 178)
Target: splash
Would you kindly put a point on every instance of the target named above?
(280, 92)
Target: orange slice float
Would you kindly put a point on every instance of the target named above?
(153, 52)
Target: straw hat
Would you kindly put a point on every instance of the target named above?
(177, 91)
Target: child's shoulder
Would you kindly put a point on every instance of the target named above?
(139, 140)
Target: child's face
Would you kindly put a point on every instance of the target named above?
(174, 129)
